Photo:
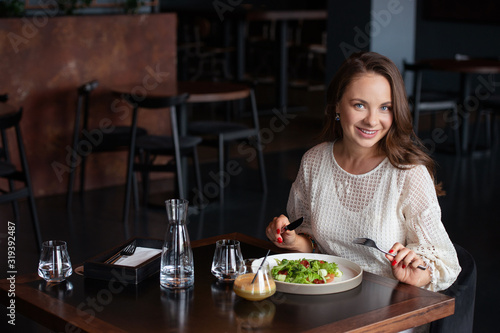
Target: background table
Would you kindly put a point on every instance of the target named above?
(199, 92)
(282, 17)
(465, 68)
(377, 304)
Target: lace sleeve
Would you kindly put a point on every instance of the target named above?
(299, 200)
(426, 233)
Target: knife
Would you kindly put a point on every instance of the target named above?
(294, 225)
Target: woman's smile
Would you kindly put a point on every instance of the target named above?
(367, 133)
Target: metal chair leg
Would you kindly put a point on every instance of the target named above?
(35, 222)
(477, 128)
(221, 168)
(127, 193)
(488, 129)
(71, 182)
(15, 204)
(456, 131)
(34, 214)
(258, 142)
(136, 192)
(261, 165)
(130, 166)
(198, 176)
(82, 175)
(145, 159)
(72, 173)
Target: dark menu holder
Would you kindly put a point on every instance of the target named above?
(95, 267)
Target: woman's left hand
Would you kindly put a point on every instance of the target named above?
(405, 266)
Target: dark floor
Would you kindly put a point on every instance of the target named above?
(470, 213)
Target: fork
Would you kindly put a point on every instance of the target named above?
(369, 242)
(126, 251)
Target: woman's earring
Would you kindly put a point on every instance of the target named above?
(337, 116)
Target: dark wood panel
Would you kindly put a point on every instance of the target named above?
(45, 59)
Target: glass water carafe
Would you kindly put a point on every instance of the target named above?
(177, 266)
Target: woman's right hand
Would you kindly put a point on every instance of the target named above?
(286, 240)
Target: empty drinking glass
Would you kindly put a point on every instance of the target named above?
(54, 265)
(227, 260)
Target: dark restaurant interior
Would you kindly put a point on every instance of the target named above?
(53, 59)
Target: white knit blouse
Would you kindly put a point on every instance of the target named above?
(386, 204)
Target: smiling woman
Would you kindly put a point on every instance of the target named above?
(370, 178)
(379, 76)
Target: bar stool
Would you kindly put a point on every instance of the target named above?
(147, 147)
(10, 118)
(220, 133)
(116, 140)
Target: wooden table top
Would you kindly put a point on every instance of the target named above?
(377, 304)
(479, 66)
(203, 92)
(199, 91)
(275, 15)
(251, 13)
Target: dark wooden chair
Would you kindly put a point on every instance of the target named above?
(307, 55)
(464, 292)
(117, 140)
(200, 56)
(10, 118)
(144, 149)
(220, 134)
(488, 110)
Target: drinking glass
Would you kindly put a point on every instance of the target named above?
(54, 265)
(254, 283)
(227, 260)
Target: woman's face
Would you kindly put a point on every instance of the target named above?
(366, 111)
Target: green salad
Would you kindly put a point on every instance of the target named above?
(305, 271)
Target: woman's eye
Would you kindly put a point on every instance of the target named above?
(358, 106)
(386, 108)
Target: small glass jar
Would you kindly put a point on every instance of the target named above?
(254, 284)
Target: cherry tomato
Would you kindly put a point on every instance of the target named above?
(318, 281)
(305, 263)
(283, 272)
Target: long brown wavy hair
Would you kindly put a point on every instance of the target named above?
(401, 145)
